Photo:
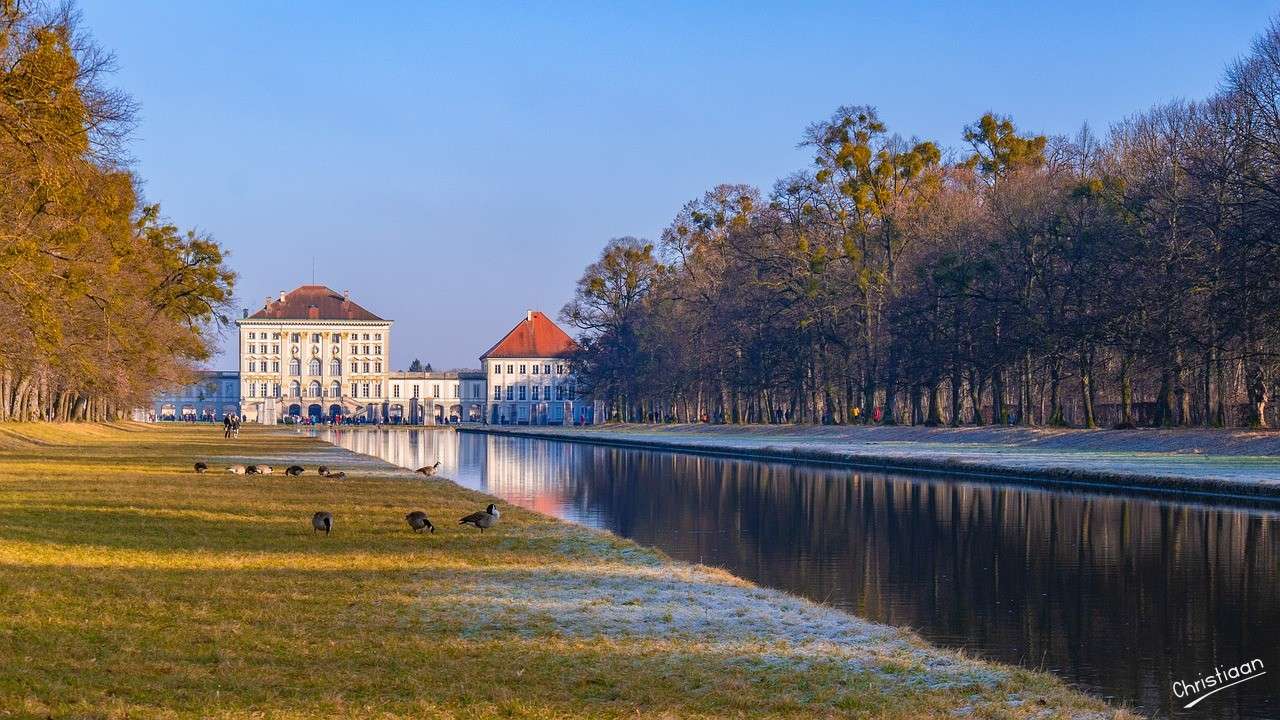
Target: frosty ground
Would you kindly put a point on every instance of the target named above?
(1192, 460)
(134, 587)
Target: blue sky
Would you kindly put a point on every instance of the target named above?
(455, 164)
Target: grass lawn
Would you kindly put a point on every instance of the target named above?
(131, 586)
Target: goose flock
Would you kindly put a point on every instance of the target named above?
(322, 520)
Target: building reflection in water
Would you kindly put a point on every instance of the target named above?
(1117, 594)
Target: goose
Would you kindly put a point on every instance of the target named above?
(294, 470)
(322, 521)
(429, 469)
(259, 469)
(486, 518)
(323, 470)
(336, 475)
(201, 467)
(238, 469)
(419, 520)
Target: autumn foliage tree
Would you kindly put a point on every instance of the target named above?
(102, 301)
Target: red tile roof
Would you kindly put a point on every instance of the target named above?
(313, 302)
(536, 336)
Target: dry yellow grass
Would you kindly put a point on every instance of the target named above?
(133, 587)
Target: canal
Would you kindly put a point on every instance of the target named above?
(1119, 595)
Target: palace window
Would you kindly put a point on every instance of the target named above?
(535, 369)
(335, 390)
(475, 391)
(295, 367)
(295, 337)
(546, 369)
(252, 390)
(377, 336)
(315, 337)
(377, 389)
(522, 370)
(435, 391)
(523, 389)
(276, 390)
(314, 389)
(295, 389)
(251, 337)
(355, 367)
(535, 392)
(415, 391)
(275, 366)
(377, 349)
(366, 366)
(377, 367)
(511, 369)
(559, 392)
(497, 392)
(395, 391)
(455, 390)
(559, 369)
(337, 338)
(366, 336)
(365, 388)
(313, 367)
(354, 388)
(253, 366)
(275, 349)
(335, 367)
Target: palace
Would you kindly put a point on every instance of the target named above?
(315, 353)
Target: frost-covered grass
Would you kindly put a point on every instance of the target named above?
(133, 587)
(1204, 459)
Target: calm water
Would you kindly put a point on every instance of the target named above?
(1119, 595)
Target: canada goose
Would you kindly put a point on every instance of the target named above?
(294, 470)
(322, 521)
(201, 467)
(429, 469)
(486, 518)
(336, 476)
(259, 469)
(238, 469)
(418, 520)
(323, 470)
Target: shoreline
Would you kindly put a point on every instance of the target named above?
(1258, 483)
(559, 620)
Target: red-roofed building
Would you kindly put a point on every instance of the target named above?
(313, 352)
(528, 375)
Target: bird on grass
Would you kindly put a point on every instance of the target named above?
(294, 470)
(486, 518)
(336, 475)
(419, 521)
(259, 469)
(322, 520)
(428, 469)
(201, 467)
(238, 469)
(323, 470)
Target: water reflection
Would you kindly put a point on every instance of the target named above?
(1120, 595)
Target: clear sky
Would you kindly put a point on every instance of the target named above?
(453, 164)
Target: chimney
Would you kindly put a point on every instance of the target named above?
(267, 304)
(528, 316)
(244, 312)
(282, 296)
(313, 312)
(346, 296)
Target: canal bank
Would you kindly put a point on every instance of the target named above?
(211, 596)
(1223, 463)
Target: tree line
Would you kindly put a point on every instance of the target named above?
(1118, 280)
(102, 300)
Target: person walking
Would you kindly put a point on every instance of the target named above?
(226, 426)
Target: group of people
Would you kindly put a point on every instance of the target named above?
(230, 426)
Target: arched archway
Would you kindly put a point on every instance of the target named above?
(295, 410)
(438, 412)
(315, 412)
(335, 412)
(455, 413)
(168, 411)
(395, 413)
(474, 413)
